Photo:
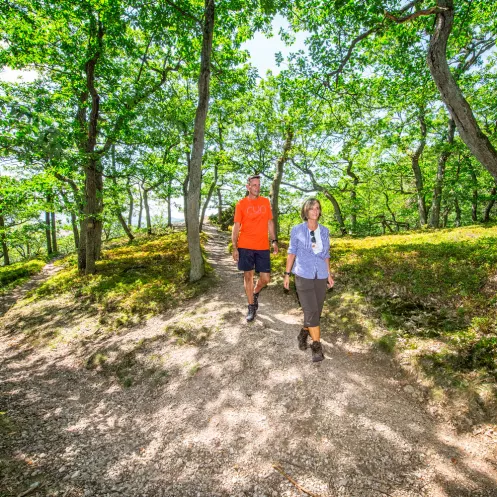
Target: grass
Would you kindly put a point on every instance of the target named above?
(428, 297)
(188, 333)
(133, 280)
(16, 274)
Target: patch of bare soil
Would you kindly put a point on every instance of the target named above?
(197, 402)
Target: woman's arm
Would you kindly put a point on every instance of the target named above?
(290, 259)
(330, 279)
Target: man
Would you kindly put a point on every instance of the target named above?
(253, 220)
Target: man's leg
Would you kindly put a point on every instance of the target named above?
(263, 267)
(248, 283)
(263, 280)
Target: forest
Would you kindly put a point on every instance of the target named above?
(127, 365)
(388, 116)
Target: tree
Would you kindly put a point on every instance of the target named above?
(346, 40)
(126, 53)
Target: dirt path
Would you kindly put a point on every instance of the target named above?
(212, 418)
(9, 299)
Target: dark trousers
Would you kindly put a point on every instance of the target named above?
(311, 296)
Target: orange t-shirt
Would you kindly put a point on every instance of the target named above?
(253, 215)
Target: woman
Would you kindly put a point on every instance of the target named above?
(309, 259)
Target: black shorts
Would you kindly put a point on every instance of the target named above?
(249, 259)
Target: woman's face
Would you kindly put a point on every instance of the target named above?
(314, 212)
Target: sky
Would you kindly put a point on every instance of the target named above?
(263, 50)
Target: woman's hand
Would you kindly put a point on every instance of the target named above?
(286, 282)
(330, 281)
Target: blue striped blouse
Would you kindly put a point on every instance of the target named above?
(308, 264)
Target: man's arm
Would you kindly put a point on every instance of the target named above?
(272, 236)
(234, 240)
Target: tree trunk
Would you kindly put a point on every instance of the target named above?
(131, 206)
(392, 214)
(82, 245)
(70, 206)
(206, 204)
(336, 208)
(457, 221)
(3, 239)
(48, 235)
(459, 109)
(169, 195)
(330, 197)
(418, 176)
(125, 227)
(141, 210)
(208, 199)
(445, 217)
(93, 211)
(353, 198)
(93, 204)
(185, 189)
(197, 268)
(75, 231)
(219, 205)
(274, 193)
(491, 202)
(147, 211)
(474, 196)
(54, 232)
(437, 190)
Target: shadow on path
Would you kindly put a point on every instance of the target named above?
(211, 419)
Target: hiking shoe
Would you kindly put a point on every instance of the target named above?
(251, 312)
(317, 352)
(256, 300)
(302, 338)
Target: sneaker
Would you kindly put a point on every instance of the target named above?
(302, 339)
(317, 352)
(256, 300)
(251, 312)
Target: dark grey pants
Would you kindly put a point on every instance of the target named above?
(311, 296)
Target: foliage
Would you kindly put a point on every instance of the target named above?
(227, 217)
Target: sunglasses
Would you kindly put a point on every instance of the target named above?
(313, 238)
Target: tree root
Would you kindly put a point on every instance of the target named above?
(277, 466)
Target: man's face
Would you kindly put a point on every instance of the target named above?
(254, 187)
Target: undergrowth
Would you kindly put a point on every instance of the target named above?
(16, 274)
(133, 280)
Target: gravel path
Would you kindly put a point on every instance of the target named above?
(214, 418)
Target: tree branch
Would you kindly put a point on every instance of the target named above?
(347, 57)
(361, 37)
(419, 13)
(184, 12)
(69, 181)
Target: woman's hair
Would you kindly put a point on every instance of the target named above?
(309, 204)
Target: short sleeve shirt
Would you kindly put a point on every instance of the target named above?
(253, 216)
